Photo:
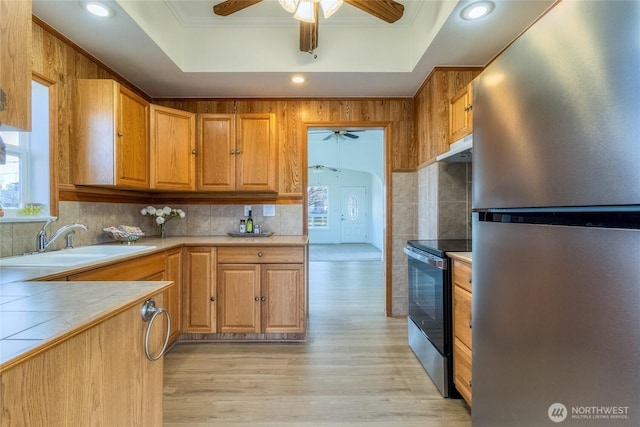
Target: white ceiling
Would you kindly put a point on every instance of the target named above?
(180, 49)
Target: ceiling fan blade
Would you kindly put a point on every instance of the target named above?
(228, 7)
(349, 135)
(329, 137)
(387, 10)
(309, 33)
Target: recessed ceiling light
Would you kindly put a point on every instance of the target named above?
(297, 79)
(477, 10)
(98, 9)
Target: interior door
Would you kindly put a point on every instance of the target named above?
(353, 215)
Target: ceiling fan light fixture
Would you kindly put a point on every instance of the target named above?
(306, 11)
(329, 7)
(289, 5)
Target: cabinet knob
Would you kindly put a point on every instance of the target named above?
(193, 151)
(120, 134)
(470, 385)
(469, 279)
(263, 299)
(469, 324)
(468, 107)
(257, 299)
(260, 254)
(212, 298)
(232, 152)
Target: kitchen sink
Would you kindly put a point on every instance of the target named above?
(72, 257)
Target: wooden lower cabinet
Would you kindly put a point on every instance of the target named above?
(99, 377)
(261, 298)
(199, 290)
(284, 310)
(155, 267)
(244, 292)
(173, 295)
(462, 324)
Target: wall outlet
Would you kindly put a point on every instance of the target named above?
(247, 208)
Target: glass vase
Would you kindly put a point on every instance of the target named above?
(163, 232)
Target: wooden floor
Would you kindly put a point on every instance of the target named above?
(356, 369)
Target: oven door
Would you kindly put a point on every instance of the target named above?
(427, 297)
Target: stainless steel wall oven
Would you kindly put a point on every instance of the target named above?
(430, 320)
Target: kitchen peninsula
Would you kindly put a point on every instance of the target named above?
(58, 316)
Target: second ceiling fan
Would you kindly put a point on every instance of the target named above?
(387, 10)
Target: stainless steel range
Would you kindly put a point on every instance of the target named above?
(430, 307)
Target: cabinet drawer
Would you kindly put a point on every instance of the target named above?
(462, 369)
(135, 269)
(462, 315)
(260, 254)
(462, 274)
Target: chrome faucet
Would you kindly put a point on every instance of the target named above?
(43, 242)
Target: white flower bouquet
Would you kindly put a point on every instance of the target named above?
(162, 215)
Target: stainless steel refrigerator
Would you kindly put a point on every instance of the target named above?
(556, 239)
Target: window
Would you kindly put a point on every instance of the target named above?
(24, 175)
(318, 207)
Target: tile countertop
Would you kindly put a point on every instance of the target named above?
(13, 274)
(463, 256)
(35, 316)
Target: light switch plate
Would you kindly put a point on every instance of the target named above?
(247, 208)
(268, 210)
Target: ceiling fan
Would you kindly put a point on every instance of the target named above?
(387, 10)
(320, 168)
(338, 134)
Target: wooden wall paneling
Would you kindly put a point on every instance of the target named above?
(440, 115)
(432, 110)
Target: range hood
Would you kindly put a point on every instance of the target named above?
(459, 151)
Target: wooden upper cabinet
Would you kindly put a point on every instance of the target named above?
(15, 65)
(172, 149)
(111, 133)
(216, 152)
(257, 152)
(237, 152)
(461, 114)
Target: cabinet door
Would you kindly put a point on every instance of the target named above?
(99, 377)
(461, 114)
(132, 140)
(173, 295)
(216, 152)
(239, 298)
(462, 369)
(110, 135)
(462, 315)
(136, 269)
(15, 64)
(283, 302)
(199, 290)
(257, 159)
(172, 149)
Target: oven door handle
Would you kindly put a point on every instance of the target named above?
(426, 258)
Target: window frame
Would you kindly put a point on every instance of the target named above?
(53, 158)
(311, 217)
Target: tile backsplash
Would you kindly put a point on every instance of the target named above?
(201, 220)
